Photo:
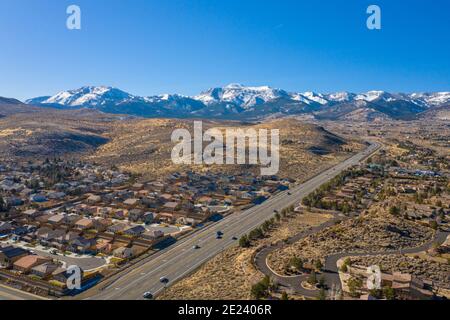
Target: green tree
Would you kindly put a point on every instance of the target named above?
(284, 296)
(389, 293)
(345, 265)
(244, 241)
(354, 286)
(258, 291)
(376, 293)
(296, 263)
(261, 289)
(266, 281)
(256, 234)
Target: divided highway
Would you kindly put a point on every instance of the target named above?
(182, 258)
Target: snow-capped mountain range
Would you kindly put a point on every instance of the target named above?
(236, 101)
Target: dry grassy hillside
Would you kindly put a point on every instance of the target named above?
(144, 147)
(51, 134)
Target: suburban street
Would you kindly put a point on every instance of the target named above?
(182, 258)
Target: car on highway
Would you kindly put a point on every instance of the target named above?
(164, 280)
(234, 238)
(196, 247)
(148, 295)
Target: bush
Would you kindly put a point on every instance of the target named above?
(261, 289)
(244, 242)
(345, 265)
(389, 293)
(354, 286)
(256, 234)
(296, 263)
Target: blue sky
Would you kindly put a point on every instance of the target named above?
(150, 47)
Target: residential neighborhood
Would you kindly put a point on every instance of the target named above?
(58, 213)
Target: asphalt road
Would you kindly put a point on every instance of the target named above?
(182, 259)
(85, 263)
(292, 282)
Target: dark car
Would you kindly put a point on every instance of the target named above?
(164, 280)
(148, 296)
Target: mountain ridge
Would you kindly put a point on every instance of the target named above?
(236, 101)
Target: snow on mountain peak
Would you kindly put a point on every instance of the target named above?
(316, 97)
(370, 96)
(437, 98)
(234, 86)
(238, 98)
(241, 95)
(340, 96)
(88, 96)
